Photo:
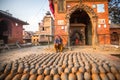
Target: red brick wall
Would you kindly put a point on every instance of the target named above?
(17, 33)
(101, 30)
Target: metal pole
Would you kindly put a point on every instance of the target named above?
(48, 42)
(119, 39)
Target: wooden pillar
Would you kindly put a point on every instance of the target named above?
(94, 31)
(68, 30)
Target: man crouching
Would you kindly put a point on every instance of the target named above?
(58, 44)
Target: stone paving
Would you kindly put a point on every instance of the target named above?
(41, 63)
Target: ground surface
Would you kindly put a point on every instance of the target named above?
(41, 62)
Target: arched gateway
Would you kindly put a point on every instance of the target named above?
(82, 23)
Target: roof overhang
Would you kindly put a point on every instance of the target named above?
(4, 14)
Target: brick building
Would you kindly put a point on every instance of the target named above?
(27, 36)
(83, 20)
(11, 28)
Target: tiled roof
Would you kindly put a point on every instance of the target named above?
(9, 15)
(114, 26)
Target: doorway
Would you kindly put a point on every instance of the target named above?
(115, 38)
(80, 28)
(4, 31)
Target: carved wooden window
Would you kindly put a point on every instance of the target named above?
(100, 8)
(61, 6)
(43, 29)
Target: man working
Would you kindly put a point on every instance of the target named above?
(58, 44)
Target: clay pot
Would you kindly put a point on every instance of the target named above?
(33, 72)
(87, 67)
(7, 69)
(2, 76)
(101, 69)
(111, 76)
(40, 77)
(67, 70)
(64, 65)
(32, 66)
(56, 77)
(37, 66)
(9, 77)
(60, 70)
(80, 76)
(2, 67)
(82, 69)
(106, 67)
(95, 77)
(94, 65)
(47, 71)
(70, 66)
(64, 76)
(26, 70)
(117, 76)
(25, 77)
(114, 70)
(20, 69)
(74, 69)
(48, 77)
(40, 71)
(53, 71)
(103, 76)
(95, 70)
(17, 77)
(87, 76)
(14, 70)
(33, 77)
(72, 76)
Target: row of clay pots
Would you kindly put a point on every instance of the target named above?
(63, 76)
(72, 66)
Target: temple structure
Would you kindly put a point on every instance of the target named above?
(81, 22)
(46, 28)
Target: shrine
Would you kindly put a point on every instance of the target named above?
(81, 22)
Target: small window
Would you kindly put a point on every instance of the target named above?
(33, 39)
(100, 8)
(60, 5)
(43, 29)
(16, 24)
(37, 40)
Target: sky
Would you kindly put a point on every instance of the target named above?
(31, 11)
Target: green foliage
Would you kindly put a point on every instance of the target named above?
(114, 11)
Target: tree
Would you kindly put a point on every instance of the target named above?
(114, 11)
